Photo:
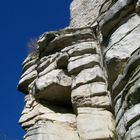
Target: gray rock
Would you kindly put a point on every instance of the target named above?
(68, 81)
(95, 101)
(83, 48)
(54, 87)
(132, 115)
(102, 121)
(34, 112)
(101, 102)
(85, 61)
(63, 38)
(62, 61)
(26, 80)
(85, 77)
(125, 27)
(114, 15)
(120, 113)
(133, 134)
(123, 80)
(138, 6)
(85, 95)
(30, 57)
(82, 19)
(132, 98)
(45, 61)
(50, 67)
(117, 106)
(105, 6)
(135, 124)
(29, 70)
(117, 56)
(120, 128)
(52, 131)
(92, 89)
(30, 63)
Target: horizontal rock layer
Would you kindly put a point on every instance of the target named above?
(67, 78)
(119, 27)
(84, 12)
(81, 75)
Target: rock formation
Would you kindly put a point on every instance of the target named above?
(83, 82)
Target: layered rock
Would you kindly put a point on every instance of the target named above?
(119, 35)
(83, 81)
(126, 98)
(85, 12)
(69, 77)
(119, 27)
(43, 122)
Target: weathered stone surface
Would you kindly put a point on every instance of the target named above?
(79, 77)
(101, 102)
(95, 124)
(133, 134)
(86, 95)
(117, 105)
(45, 61)
(63, 38)
(50, 122)
(53, 87)
(95, 102)
(29, 64)
(117, 56)
(138, 6)
(89, 75)
(114, 15)
(135, 124)
(30, 116)
(82, 19)
(50, 67)
(132, 115)
(127, 25)
(121, 130)
(127, 87)
(52, 131)
(105, 7)
(92, 89)
(30, 57)
(26, 80)
(120, 113)
(83, 48)
(77, 64)
(34, 112)
(131, 72)
(62, 61)
(29, 70)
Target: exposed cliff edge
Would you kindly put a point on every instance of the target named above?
(82, 83)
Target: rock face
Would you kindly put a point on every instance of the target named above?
(85, 12)
(119, 29)
(83, 82)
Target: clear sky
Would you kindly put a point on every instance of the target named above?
(20, 21)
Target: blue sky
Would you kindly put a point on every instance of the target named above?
(20, 21)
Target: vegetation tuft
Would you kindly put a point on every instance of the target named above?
(32, 45)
